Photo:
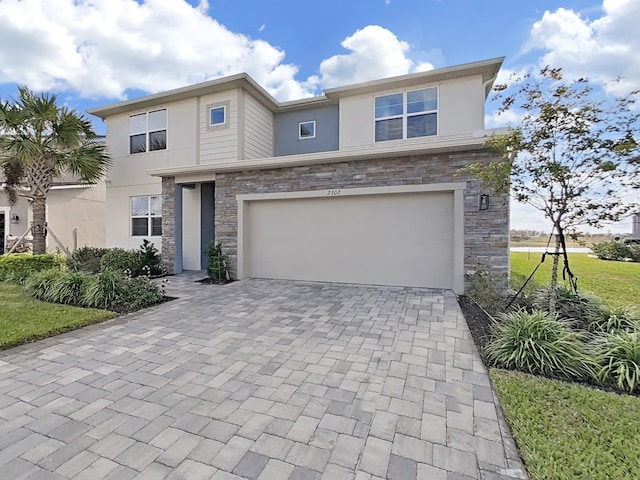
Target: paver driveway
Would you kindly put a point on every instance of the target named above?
(258, 379)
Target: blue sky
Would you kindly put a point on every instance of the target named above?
(102, 51)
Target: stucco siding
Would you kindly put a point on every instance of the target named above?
(119, 213)
(461, 106)
(258, 131)
(219, 144)
(20, 208)
(81, 209)
(460, 112)
(181, 136)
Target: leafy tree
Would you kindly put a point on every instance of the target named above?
(41, 141)
(574, 156)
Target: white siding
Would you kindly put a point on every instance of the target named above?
(460, 112)
(127, 176)
(258, 132)
(220, 144)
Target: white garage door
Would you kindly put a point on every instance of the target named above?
(404, 239)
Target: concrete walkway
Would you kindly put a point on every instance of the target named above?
(258, 379)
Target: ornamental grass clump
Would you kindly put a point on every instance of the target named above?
(538, 343)
(570, 306)
(618, 355)
(611, 320)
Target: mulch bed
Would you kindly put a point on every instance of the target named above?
(478, 320)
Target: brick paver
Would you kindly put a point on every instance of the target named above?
(259, 379)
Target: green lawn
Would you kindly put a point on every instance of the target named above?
(617, 283)
(24, 319)
(566, 431)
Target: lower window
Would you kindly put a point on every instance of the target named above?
(146, 216)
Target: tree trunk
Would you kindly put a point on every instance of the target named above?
(39, 209)
(553, 287)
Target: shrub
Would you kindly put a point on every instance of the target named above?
(538, 343)
(17, 267)
(87, 259)
(104, 289)
(576, 308)
(619, 357)
(610, 320)
(121, 260)
(634, 252)
(111, 290)
(150, 260)
(39, 284)
(140, 293)
(486, 291)
(217, 267)
(612, 250)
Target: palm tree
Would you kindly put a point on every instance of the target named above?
(41, 141)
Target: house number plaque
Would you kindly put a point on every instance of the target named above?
(333, 193)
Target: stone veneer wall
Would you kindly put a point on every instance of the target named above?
(486, 232)
(169, 224)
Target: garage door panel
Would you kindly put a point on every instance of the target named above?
(388, 239)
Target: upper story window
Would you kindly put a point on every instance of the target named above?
(307, 129)
(146, 216)
(148, 131)
(218, 115)
(406, 115)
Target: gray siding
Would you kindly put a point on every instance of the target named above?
(286, 131)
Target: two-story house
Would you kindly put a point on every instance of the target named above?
(358, 185)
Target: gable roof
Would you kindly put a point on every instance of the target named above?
(487, 68)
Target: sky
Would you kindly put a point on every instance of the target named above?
(96, 52)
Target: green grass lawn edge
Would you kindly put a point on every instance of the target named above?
(617, 283)
(567, 431)
(24, 319)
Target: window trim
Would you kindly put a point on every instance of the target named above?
(212, 106)
(148, 216)
(406, 115)
(147, 132)
(308, 137)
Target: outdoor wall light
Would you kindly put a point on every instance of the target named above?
(483, 202)
(14, 218)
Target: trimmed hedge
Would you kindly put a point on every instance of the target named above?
(17, 267)
(615, 250)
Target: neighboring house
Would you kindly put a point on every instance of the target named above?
(358, 185)
(75, 214)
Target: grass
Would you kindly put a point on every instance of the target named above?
(24, 319)
(568, 431)
(617, 283)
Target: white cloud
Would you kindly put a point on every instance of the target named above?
(375, 52)
(606, 49)
(102, 48)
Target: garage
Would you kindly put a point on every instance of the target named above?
(401, 236)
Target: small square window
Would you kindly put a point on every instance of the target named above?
(307, 129)
(217, 116)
